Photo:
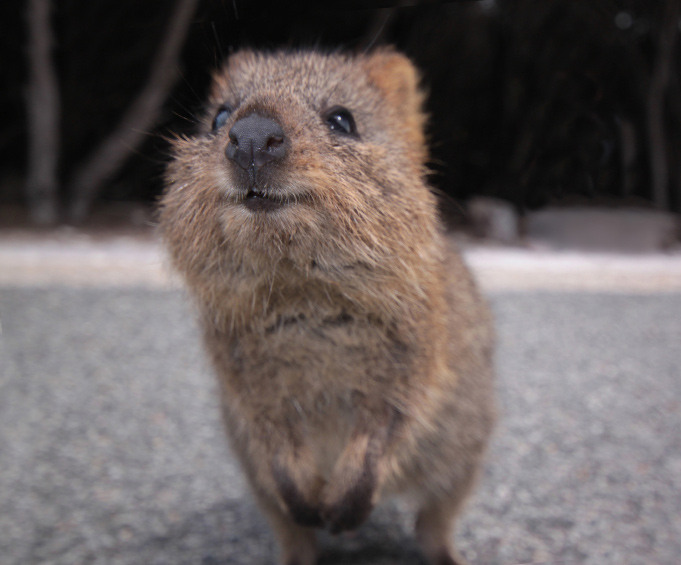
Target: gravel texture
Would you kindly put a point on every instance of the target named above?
(111, 450)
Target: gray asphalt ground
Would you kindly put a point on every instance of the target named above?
(111, 450)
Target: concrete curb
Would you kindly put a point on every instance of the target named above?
(135, 262)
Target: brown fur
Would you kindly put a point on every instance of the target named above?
(353, 349)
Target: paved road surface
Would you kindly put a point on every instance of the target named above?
(111, 450)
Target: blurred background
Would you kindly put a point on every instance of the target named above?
(534, 104)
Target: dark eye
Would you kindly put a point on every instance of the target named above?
(340, 120)
(221, 117)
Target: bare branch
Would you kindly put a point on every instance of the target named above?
(139, 118)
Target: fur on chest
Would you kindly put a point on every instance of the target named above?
(312, 357)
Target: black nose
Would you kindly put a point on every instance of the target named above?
(255, 141)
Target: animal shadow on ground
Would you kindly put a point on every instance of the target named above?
(235, 533)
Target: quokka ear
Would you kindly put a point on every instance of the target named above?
(397, 78)
(399, 82)
(221, 77)
(240, 59)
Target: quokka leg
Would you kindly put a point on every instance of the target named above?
(297, 544)
(435, 523)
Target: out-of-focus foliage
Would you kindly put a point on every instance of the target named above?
(536, 100)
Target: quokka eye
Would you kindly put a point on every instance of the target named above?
(221, 117)
(340, 120)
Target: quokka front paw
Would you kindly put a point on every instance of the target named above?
(347, 504)
(338, 512)
(303, 509)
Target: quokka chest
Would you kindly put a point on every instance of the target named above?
(332, 358)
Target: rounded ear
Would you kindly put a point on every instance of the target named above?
(240, 58)
(221, 78)
(398, 80)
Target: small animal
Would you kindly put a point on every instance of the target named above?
(352, 347)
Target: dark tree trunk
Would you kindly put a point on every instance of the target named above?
(664, 60)
(42, 109)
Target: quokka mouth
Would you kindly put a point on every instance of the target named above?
(258, 200)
